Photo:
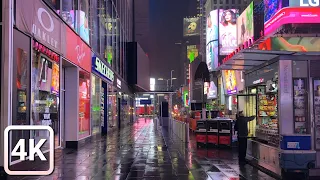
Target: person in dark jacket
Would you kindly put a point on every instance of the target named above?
(241, 126)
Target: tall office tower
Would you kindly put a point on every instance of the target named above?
(142, 24)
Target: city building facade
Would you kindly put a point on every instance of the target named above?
(65, 66)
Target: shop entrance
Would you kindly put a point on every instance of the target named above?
(248, 104)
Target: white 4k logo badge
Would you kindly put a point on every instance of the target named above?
(20, 150)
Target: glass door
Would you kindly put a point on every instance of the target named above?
(248, 104)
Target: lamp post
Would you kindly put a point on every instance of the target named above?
(162, 79)
(171, 78)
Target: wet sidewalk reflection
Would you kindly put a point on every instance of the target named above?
(143, 151)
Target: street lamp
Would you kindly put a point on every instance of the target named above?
(171, 78)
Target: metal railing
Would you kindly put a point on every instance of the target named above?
(180, 129)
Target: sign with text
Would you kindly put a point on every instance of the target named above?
(35, 18)
(304, 3)
(101, 68)
(78, 52)
(33, 152)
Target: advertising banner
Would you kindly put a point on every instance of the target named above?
(245, 25)
(192, 52)
(212, 37)
(228, 30)
(191, 26)
(77, 51)
(35, 18)
(295, 44)
(292, 15)
(230, 81)
(271, 7)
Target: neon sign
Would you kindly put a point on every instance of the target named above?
(292, 15)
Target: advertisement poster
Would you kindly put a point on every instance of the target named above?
(212, 55)
(192, 52)
(228, 30)
(245, 25)
(191, 26)
(230, 81)
(212, 91)
(84, 27)
(55, 79)
(296, 44)
(212, 33)
(271, 7)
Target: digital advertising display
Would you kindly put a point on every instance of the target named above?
(210, 90)
(212, 29)
(271, 7)
(292, 15)
(230, 81)
(212, 36)
(245, 25)
(192, 52)
(191, 26)
(212, 52)
(295, 44)
(228, 30)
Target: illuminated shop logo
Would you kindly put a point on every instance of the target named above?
(101, 68)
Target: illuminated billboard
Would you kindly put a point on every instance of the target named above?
(212, 33)
(245, 25)
(192, 52)
(210, 89)
(304, 3)
(212, 55)
(191, 26)
(292, 15)
(212, 36)
(228, 30)
(230, 81)
(295, 44)
(271, 7)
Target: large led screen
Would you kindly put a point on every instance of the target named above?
(212, 27)
(191, 26)
(212, 40)
(271, 7)
(245, 25)
(212, 55)
(295, 44)
(228, 30)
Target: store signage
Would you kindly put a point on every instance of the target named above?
(78, 52)
(261, 80)
(102, 69)
(292, 15)
(118, 83)
(304, 3)
(37, 19)
(46, 51)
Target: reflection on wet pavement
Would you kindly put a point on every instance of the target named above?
(143, 151)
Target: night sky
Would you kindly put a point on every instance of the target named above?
(166, 25)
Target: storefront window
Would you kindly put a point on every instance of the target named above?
(112, 107)
(66, 9)
(84, 104)
(45, 96)
(96, 106)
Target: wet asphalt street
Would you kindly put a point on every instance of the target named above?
(143, 151)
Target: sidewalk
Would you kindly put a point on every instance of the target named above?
(143, 151)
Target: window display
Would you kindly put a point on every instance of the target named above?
(95, 104)
(45, 96)
(300, 106)
(316, 104)
(112, 107)
(84, 104)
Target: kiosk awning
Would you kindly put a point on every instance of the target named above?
(249, 58)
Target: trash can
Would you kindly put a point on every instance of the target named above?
(212, 132)
(201, 133)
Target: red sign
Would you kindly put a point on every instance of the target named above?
(46, 51)
(78, 52)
